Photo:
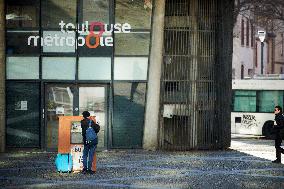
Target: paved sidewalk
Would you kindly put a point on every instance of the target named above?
(246, 165)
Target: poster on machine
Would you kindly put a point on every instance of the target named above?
(77, 155)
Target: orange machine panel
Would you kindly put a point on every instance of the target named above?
(64, 135)
(94, 165)
(64, 132)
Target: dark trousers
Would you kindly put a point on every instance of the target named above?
(279, 150)
(88, 156)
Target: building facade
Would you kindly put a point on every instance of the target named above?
(277, 63)
(118, 59)
(244, 48)
(247, 50)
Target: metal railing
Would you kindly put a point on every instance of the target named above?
(196, 75)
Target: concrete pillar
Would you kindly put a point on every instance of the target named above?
(194, 38)
(150, 139)
(2, 77)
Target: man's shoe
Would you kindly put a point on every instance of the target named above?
(91, 172)
(84, 171)
(276, 161)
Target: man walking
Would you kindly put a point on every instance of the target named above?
(278, 126)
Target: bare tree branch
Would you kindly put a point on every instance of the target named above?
(268, 14)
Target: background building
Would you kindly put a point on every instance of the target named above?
(166, 84)
(244, 54)
(251, 17)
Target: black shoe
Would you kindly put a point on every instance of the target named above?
(91, 172)
(276, 161)
(84, 171)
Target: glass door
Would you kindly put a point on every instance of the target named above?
(93, 99)
(72, 100)
(59, 101)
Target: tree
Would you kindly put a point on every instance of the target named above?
(265, 13)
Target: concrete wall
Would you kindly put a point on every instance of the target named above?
(2, 77)
(279, 53)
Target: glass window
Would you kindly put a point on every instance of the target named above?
(18, 43)
(98, 51)
(96, 10)
(128, 114)
(23, 114)
(58, 68)
(57, 41)
(269, 99)
(22, 67)
(132, 43)
(137, 13)
(130, 68)
(93, 99)
(22, 14)
(95, 68)
(55, 11)
(245, 101)
(57, 97)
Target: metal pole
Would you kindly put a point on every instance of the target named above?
(261, 71)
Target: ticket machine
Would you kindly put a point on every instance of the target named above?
(70, 140)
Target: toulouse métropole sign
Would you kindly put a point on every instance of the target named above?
(94, 30)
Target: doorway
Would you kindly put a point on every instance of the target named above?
(72, 100)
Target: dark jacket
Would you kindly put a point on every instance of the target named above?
(85, 126)
(279, 118)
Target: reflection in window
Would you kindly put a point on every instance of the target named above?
(132, 43)
(137, 13)
(269, 99)
(92, 99)
(129, 68)
(91, 68)
(128, 114)
(62, 97)
(59, 97)
(17, 43)
(99, 51)
(23, 115)
(22, 14)
(58, 68)
(245, 101)
(96, 10)
(22, 67)
(62, 42)
(53, 11)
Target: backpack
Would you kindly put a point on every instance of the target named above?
(91, 136)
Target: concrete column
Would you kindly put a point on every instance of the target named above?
(150, 139)
(194, 38)
(2, 77)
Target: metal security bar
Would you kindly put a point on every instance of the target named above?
(192, 71)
